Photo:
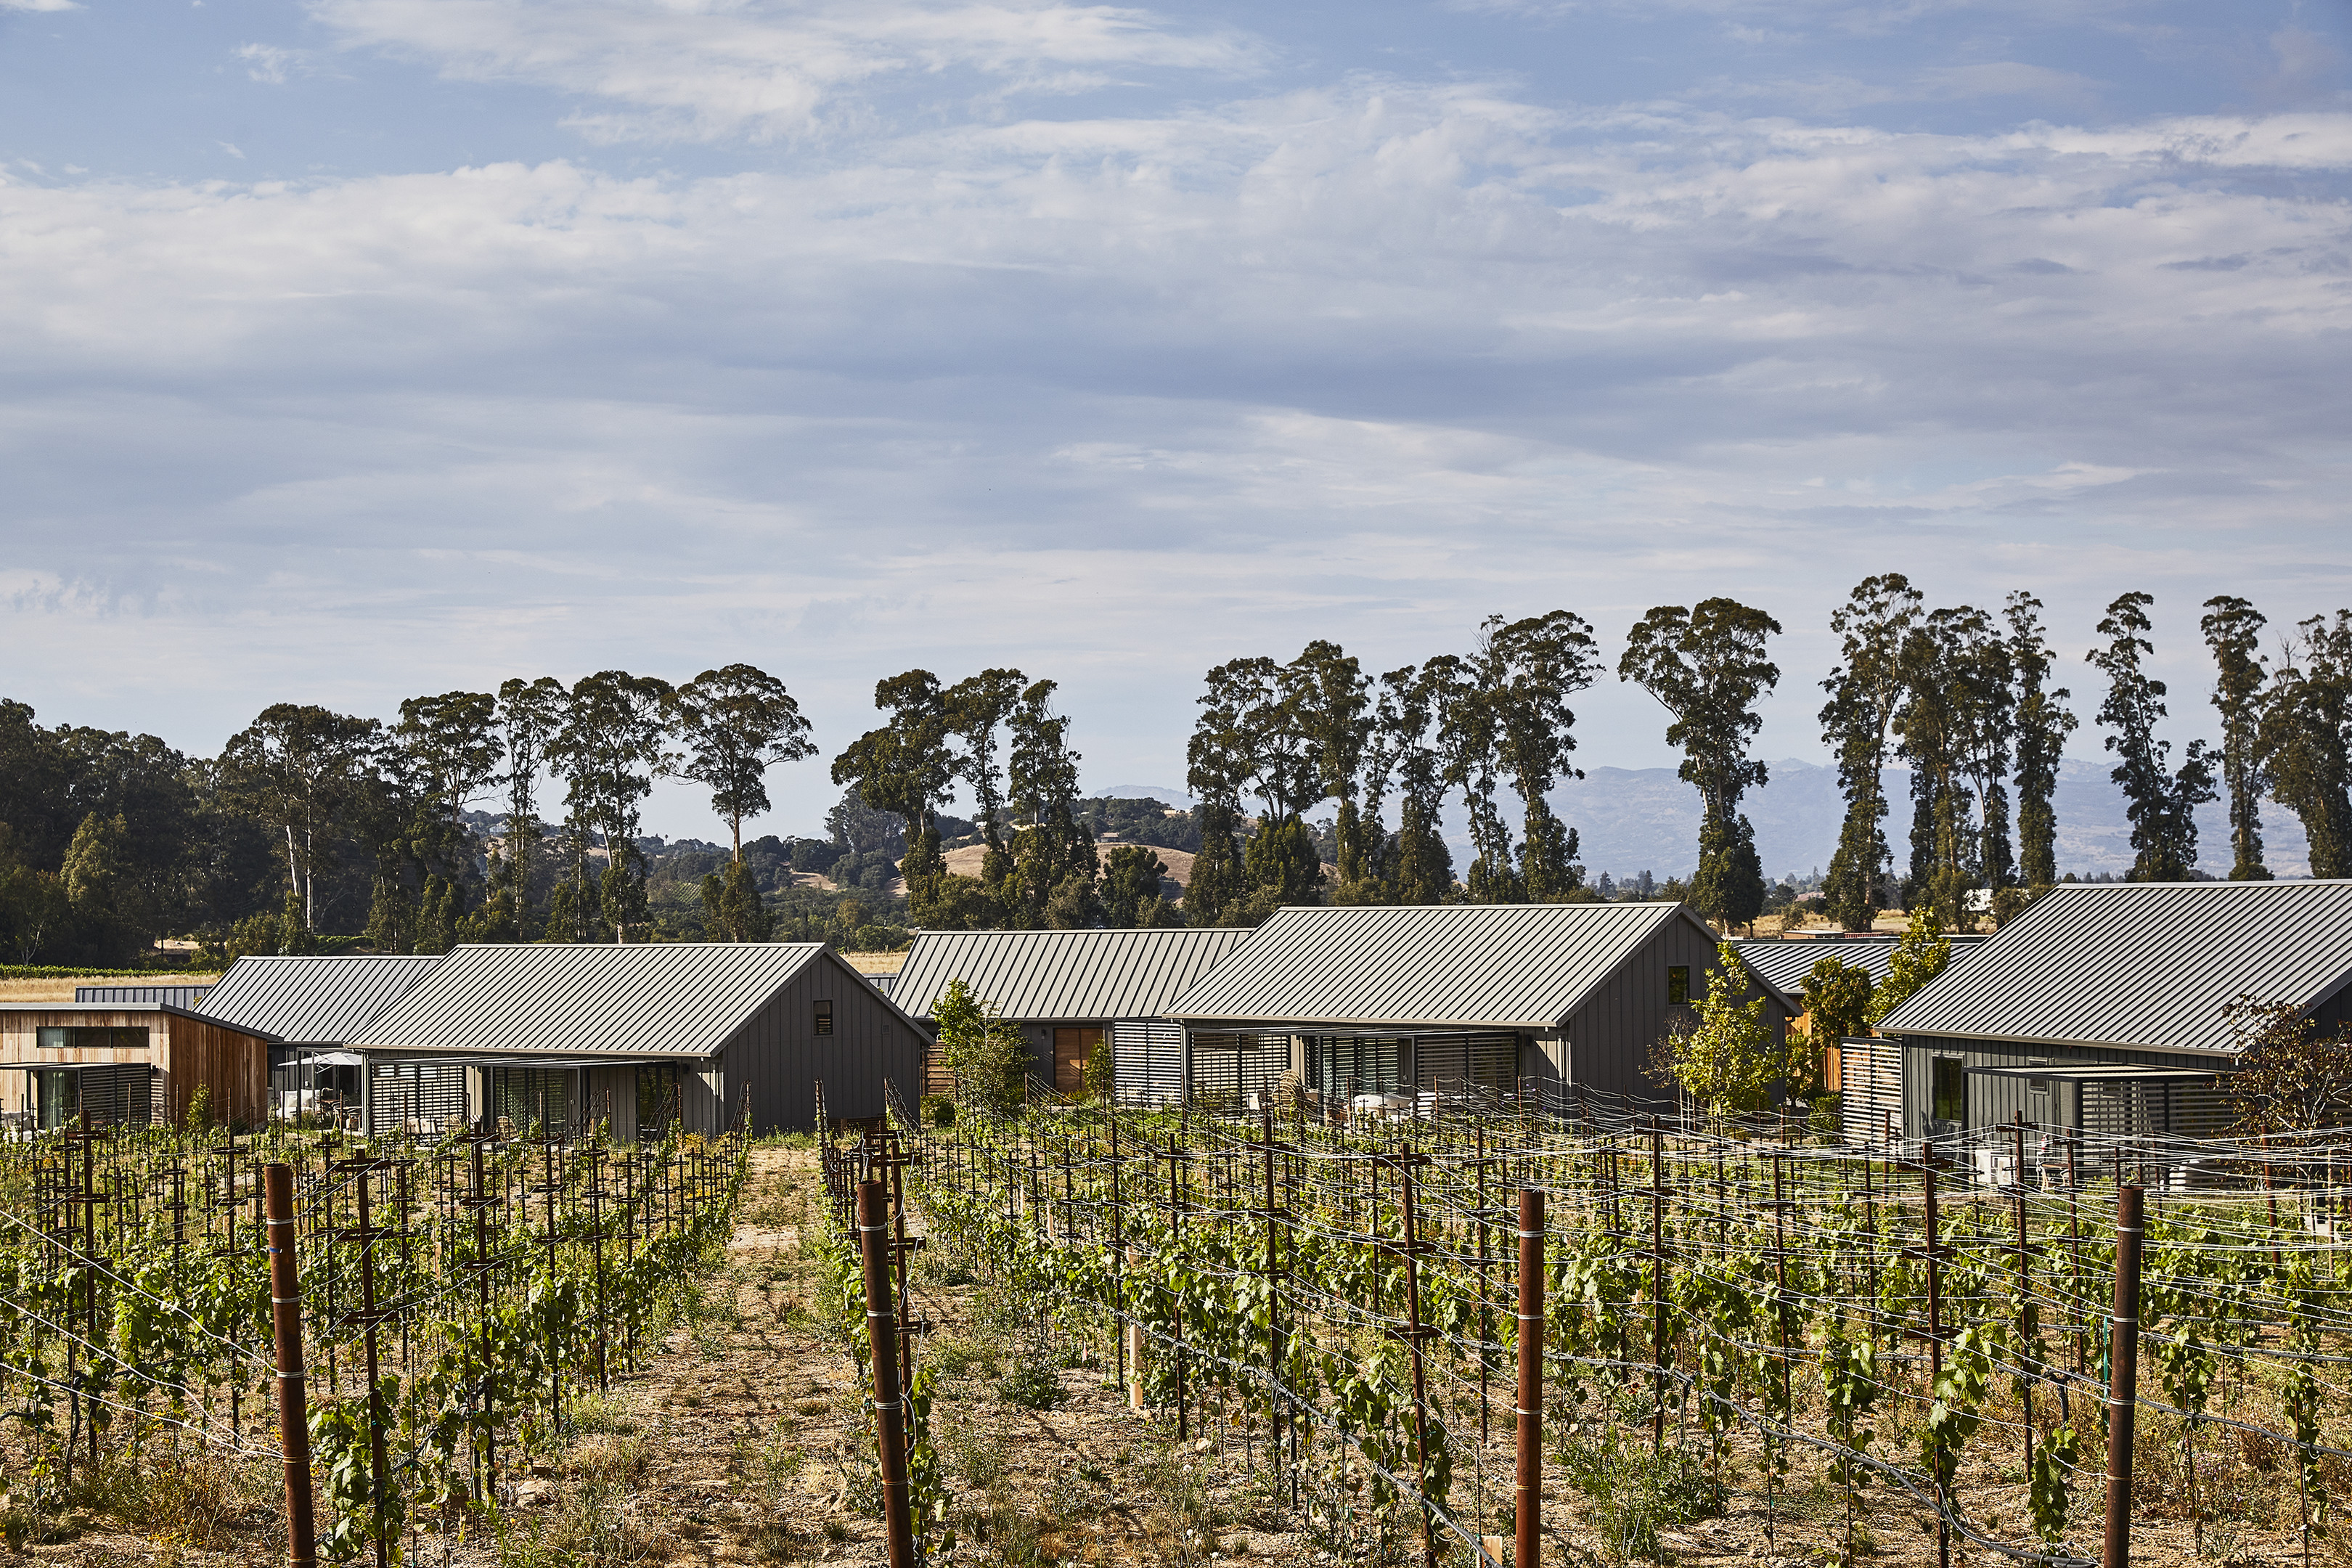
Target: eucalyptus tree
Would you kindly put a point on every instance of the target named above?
(608, 751)
(1423, 870)
(1865, 690)
(1055, 854)
(737, 722)
(1259, 732)
(907, 767)
(2162, 805)
(1705, 666)
(2233, 630)
(446, 754)
(1469, 749)
(1954, 726)
(2308, 737)
(1331, 699)
(529, 713)
(305, 772)
(977, 708)
(2039, 724)
(1528, 668)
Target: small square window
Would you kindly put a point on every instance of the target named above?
(1678, 985)
(824, 1017)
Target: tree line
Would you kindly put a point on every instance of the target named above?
(311, 820)
(307, 816)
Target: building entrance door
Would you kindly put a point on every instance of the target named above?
(1071, 1050)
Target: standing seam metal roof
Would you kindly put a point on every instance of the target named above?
(315, 999)
(1474, 966)
(2142, 965)
(1063, 975)
(1786, 964)
(681, 999)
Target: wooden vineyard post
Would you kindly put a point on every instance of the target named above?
(378, 1468)
(481, 1204)
(1527, 1413)
(293, 1403)
(1935, 1347)
(889, 1399)
(2122, 1376)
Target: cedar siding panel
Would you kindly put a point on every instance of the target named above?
(186, 1052)
(777, 1056)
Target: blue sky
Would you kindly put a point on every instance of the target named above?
(365, 348)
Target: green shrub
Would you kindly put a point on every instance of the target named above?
(939, 1110)
(1032, 1385)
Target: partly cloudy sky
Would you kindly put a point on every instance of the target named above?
(357, 348)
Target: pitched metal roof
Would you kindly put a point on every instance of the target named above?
(313, 999)
(143, 995)
(1063, 975)
(671, 999)
(1786, 964)
(2142, 965)
(1467, 965)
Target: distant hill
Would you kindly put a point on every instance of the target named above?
(1631, 820)
(1172, 796)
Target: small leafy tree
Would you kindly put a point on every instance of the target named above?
(2291, 1079)
(1924, 952)
(1837, 997)
(985, 1055)
(1728, 1059)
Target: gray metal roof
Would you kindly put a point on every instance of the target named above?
(143, 995)
(665, 999)
(1786, 964)
(313, 999)
(1063, 975)
(1471, 966)
(2142, 965)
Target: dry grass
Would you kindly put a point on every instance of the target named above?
(877, 963)
(62, 989)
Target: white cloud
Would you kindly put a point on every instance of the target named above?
(708, 70)
(1116, 398)
(269, 63)
(39, 5)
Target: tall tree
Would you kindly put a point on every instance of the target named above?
(977, 708)
(1055, 857)
(1529, 667)
(1260, 732)
(2307, 738)
(1956, 726)
(737, 721)
(2040, 722)
(609, 752)
(907, 766)
(2163, 804)
(2233, 630)
(1332, 700)
(304, 771)
(1705, 666)
(1424, 863)
(1469, 747)
(1866, 690)
(530, 714)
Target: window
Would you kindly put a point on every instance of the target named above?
(1951, 1090)
(824, 1017)
(83, 1039)
(1678, 985)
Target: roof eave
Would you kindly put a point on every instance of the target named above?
(1891, 1030)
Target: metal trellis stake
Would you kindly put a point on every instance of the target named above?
(889, 1399)
(2122, 1376)
(293, 1404)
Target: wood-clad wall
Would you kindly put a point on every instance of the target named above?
(186, 1052)
(780, 1059)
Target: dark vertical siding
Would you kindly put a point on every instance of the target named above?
(779, 1058)
(1610, 1038)
(1994, 1100)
